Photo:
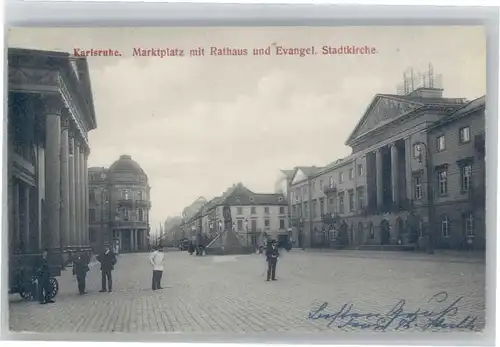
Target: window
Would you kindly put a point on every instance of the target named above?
(240, 224)
(239, 210)
(254, 240)
(321, 206)
(330, 182)
(445, 226)
(282, 210)
(332, 203)
(464, 135)
(360, 170)
(321, 184)
(469, 225)
(140, 195)
(443, 182)
(341, 177)
(91, 215)
(141, 215)
(440, 143)
(282, 224)
(125, 194)
(417, 187)
(92, 195)
(252, 211)
(313, 208)
(351, 201)
(125, 214)
(306, 209)
(416, 150)
(266, 210)
(254, 225)
(294, 210)
(267, 223)
(351, 174)
(466, 172)
(341, 203)
(361, 198)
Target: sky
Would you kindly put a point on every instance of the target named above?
(196, 125)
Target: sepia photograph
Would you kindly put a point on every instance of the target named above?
(246, 180)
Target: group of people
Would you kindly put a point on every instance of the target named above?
(107, 260)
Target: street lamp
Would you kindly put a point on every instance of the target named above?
(246, 228)
(104, 201)
(430, 195)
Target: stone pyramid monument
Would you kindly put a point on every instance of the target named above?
(228, 241)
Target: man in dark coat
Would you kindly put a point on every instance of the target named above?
(272, 255)
(80, 269)
(42, 271)
(108, 261)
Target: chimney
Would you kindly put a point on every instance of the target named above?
(431, 93)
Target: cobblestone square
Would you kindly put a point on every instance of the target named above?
(229, 294)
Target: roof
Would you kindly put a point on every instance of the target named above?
(289, 173)
(466, 109)
(417, 103)
(125, 163)
(309, 170)
(78, 83)
(236, 195)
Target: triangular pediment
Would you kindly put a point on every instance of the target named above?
(382, 110)
(299, 176)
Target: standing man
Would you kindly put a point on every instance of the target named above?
(272, 255)
(42, 272)
(108, 261)
(156, 260)
(80, 269)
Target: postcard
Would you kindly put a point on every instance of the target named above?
(247, 180)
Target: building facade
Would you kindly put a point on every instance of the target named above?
(253, 216)
(380, 191)
(119, 214)
(50, 112)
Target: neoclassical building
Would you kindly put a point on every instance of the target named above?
(416, 168)
(119, 206)
(50, 112)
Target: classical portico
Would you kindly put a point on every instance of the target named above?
(50, 110)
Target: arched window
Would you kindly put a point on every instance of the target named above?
(445, 226)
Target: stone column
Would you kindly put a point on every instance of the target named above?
(120, 240)
(42, 242)
(131, 240)
(72, 194)
(86, 196)
(78, 193)
(26, 208)
(394, 174)
(53, 170)
(408, 178)
(380, 180)
(65, 186)
(84, 192)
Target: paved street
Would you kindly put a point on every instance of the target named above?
(230, 294)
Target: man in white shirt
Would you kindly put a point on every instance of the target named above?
(156, 260)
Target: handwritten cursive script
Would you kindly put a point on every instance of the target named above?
(398, 318)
